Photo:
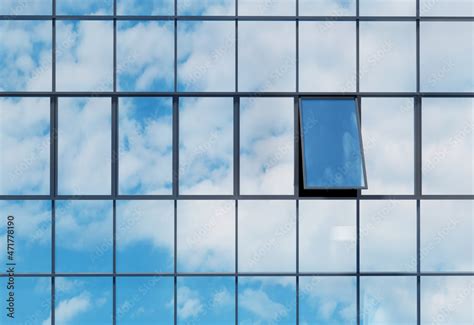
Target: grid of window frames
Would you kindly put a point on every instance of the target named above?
(150, 157)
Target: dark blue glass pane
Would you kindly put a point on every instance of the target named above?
(331, 144)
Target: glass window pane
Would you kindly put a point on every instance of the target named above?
(265, 7)
(206, 148)
(446, 56)
(327, 236)
(84, 7)
(388, 56)
(388, 133)
(387, 236)
(145, 145)
(447, 236)
(328, 300)
(447, 300)
(266, 145)
(145, 300)
(206, 300)
(24, 145)
(84, 236)
(83, 300)
(206, 56)
(267, 236)
(206, 7)
(145, 56)
(84, 56)
(327, 8)
(145, 236)
(32, 301)
(25, 55)
(84, 145)
(388, 7)
(267, 56)
(327, 56)
(332, 144)
(31, 226)
(448, 145)
(447, 8)
(206, 236)
(145, 8)
(388, 300)
(267, 300)
(25, 7)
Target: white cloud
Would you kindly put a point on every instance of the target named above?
(84, 145)
(69, 309)
(84, 56)
(261, 305)
(206, 236)
(189, 303)
(321, 249)
(267, 236)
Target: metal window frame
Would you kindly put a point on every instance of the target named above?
(114, 196)
(361, 145)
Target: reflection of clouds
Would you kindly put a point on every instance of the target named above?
(388, 300)
(266, 146)
(320, 221)
(26, 51)
(447, 236)
(267, 236)
(206, 231)
(149, 65)
(148, 7)
(325, 64)
(84, 145)
(328, 300)
(206, 148)
(447, 67)
(88, 64)
(267, 300)
(389, 155)
(387, 49)
(388, 235)
(448, 128)
(24, 146)
(447, 300)
(145, 156)
(206, 54)
(274, 59)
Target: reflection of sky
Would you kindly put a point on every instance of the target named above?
(328, 300)
(32, 221)
(206, 300)
(145, 142)
(145, 59)
(85, 300)
(76, 252)
(332, 148)
(145, 300)
(32, 300)
(145, 236)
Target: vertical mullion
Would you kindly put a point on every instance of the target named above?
(297, 262)
(358, 191)
(53, 161)
(236, 142)
(236, 161)
(114, 267)
(53, 258)
(236, 298)
(175, 278)
(296, 192)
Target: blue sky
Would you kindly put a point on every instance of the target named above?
(206, 229)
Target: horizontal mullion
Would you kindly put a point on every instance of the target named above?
(229, 94)
(239, 18)
(233, 197)
(242, 274)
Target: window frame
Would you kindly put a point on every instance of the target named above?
(302, 145)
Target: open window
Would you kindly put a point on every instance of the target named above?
(331, 143)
